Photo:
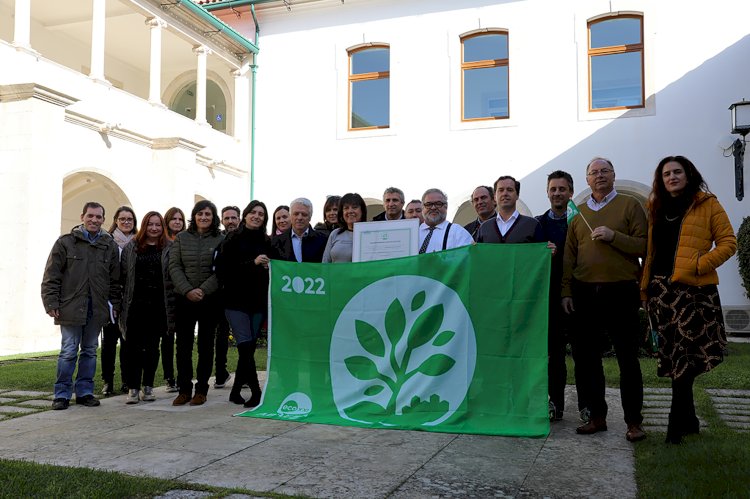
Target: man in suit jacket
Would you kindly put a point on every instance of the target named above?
(483, 201)
(302, 243)
(393, 203)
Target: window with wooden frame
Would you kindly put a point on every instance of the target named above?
(369, 87)
(615, 56)
(484, 75)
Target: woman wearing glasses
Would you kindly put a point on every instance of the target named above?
(352, 209)
(689, 236)
(123, 229)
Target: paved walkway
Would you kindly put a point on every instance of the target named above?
(207, 445)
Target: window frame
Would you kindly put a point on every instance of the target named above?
(373, 75)
(614, 50)
(483, 64)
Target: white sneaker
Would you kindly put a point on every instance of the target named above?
(132, 397)
(147, 394)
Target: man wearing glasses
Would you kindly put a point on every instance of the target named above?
(436, 233)
(600, 283)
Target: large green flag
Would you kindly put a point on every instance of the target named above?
(452, 341)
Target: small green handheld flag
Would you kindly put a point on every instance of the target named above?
(572, 211)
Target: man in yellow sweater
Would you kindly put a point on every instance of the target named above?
(600, 283)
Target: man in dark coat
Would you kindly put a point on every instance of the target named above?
(393, 204)
(80, 284)
(302, 243)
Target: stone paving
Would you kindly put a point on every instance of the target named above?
(207, 445)
(733, 407)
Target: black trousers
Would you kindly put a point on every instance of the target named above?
(206, 314)
(222, 346)
(557, 371)
(110, 336)
(167, 355)
(601, 309)
(142, 346)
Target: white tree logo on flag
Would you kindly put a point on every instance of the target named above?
(403, 350)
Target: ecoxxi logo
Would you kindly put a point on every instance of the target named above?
(295, 406)
(403, 351)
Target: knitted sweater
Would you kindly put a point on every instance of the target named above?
(597, 261)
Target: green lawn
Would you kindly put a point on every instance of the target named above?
(38, 373)
(715, 463)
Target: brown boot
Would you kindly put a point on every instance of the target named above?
(594, 426)
(181, 399)
(198, 399)
(635, 433)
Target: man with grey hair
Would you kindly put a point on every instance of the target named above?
(393, 203)
(302, 243)
(436, 233)
(601, 269)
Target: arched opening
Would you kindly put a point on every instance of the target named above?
(82, 187)
(374, 207)
(183, 103)
(636, 189)
(465, 214)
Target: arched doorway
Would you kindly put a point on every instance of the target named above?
(374, 207)
(465, 214)
(82, 187)
(636, 189)
(216, 104)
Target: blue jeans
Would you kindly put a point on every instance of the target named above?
(87, 338)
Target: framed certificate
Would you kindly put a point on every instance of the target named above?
(387, 239)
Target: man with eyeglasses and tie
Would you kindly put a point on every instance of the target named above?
(509, 225)
(600, 283)
(436, 233)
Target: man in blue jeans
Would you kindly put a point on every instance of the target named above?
(81, 283)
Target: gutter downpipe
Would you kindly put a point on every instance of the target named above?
(254, 69)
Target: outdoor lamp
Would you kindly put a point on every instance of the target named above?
(740, 125)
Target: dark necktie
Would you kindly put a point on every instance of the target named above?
(426, 242)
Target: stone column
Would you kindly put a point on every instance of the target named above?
(200, 84)
(97, 40)
(154, 87)
(22, 26)
(241, 105)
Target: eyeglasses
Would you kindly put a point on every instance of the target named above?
(436, 204)
(125, 220)
(596, 173)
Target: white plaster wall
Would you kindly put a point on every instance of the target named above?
(694, 71)
(39, 148)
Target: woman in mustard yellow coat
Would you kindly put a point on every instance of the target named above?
(689, 236)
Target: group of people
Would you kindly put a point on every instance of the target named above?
(156, 283)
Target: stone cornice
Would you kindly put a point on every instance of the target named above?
(24, 91)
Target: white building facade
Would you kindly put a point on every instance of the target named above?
(569, 86)
(120, 102)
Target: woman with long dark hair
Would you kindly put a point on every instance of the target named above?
(242, 268)
(352, 209)
(191, 267)
(280, 221)
(330, 215)
(143, 320)
(689, 236)
(123, 229)
(175, 220)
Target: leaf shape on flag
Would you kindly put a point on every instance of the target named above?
(426, 326)
(369, 338)
(436, 365)
(362, 368)
(418, 300)
(395, 322)
(443, 338)
(373, 390)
